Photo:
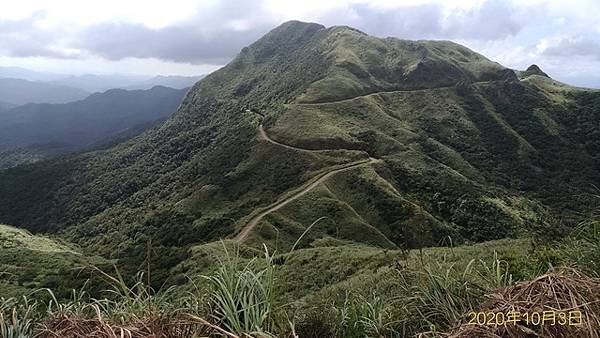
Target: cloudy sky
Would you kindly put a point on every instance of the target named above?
(189, 37)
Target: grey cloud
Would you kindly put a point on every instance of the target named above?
(574, 46)
(214, 35)
(115, 41)
(409, 22)
(209, 37)
(495, 19)
(21, 38)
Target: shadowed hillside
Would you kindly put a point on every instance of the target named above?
(36, 131)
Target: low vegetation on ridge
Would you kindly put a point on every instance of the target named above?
(385, 293)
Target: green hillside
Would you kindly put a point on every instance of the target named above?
(397, 181)
(465, 150)
(29, 262)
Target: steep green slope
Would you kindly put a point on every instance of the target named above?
(27, 155)
(467, 150)
(494, 146)
(29, 262)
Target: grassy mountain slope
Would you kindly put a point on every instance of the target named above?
(28, 262)
(469, 151)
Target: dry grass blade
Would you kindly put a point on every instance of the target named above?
(69, 327)
(559, 291)
(205, 322)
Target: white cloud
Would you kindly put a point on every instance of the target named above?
(153, 14)
(164, 34)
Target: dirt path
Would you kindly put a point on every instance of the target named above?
(243, 234)
(302, 190)
(263, 136)
(308, 186)
(383, 92)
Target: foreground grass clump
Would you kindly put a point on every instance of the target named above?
(16, 319)
(235, 301)
(582, 248)
(555, 292)
(428, 293)
(126, 311)
(241, 296)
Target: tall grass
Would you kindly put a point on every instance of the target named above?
(439, 299)
(582, 248)
(495, 274)
(366, 317)
(242, 294)
(16, 318)
(440, 294)
(240, 302)
(241, 299)
(126, 310)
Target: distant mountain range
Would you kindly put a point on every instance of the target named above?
(34, 131)
(18, 92)
(28, 74)
(177, 82)
(5, 106)
(45, 114)
(98, 82)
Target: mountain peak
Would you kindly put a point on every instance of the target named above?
(342, 29)
(291, 30)
(535, 70)
(297, 24)
(307, 62)
(285, 37)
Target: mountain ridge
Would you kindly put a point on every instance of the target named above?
(467, 149)
(96, 83)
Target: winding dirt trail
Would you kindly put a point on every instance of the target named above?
(416, 90)
(242, 235)
(310, 185)
(263, 136)
(314, 182)
(372, 94)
